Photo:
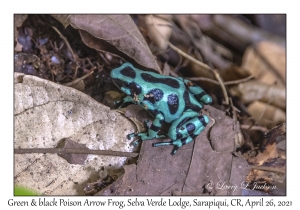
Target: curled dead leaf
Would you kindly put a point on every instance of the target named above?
(45, 113)
(117, 34)
(162, 32)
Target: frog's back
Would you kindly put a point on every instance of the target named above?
(170, 96)
(161, 80)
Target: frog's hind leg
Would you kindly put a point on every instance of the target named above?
(186, 131)
(178, 139)
(177, 143)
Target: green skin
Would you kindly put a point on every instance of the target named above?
(176, 101)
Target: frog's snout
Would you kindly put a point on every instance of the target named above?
(114, 74)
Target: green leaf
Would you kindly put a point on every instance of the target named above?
(18, 190)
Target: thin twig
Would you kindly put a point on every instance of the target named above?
(254, 127)
(203, 65)
(203, 79)
(267, 168)
(173, 74)
(81, 78)
(238, 138)
(234, 82)
(67, 43)
(89, 61)
(75, 72)
(218, 77)
(75, 151)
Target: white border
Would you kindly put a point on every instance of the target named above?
(138, 7)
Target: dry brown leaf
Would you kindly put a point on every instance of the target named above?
(18, 21)
(266, 114)
(161, 32)
(269, 165)
(45, 113)
(277, 134)
(242, 32)
(255, 90)
(267, 62)
(72, 158)
(268, 169)
(117, 34)
(205, 162)
(269, 153)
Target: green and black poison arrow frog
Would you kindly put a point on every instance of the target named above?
(176, 101)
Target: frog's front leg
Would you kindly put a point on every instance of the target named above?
(183, 132)
(152, 131)
(198, 92)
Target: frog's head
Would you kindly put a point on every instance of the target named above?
(124, 78)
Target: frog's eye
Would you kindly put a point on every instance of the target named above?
(133, 87)
(173, 103)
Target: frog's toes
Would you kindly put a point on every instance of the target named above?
(146, 123)
(129, 136)
(118, 104)
(162, 144)
(135, 143)
(174, 150)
